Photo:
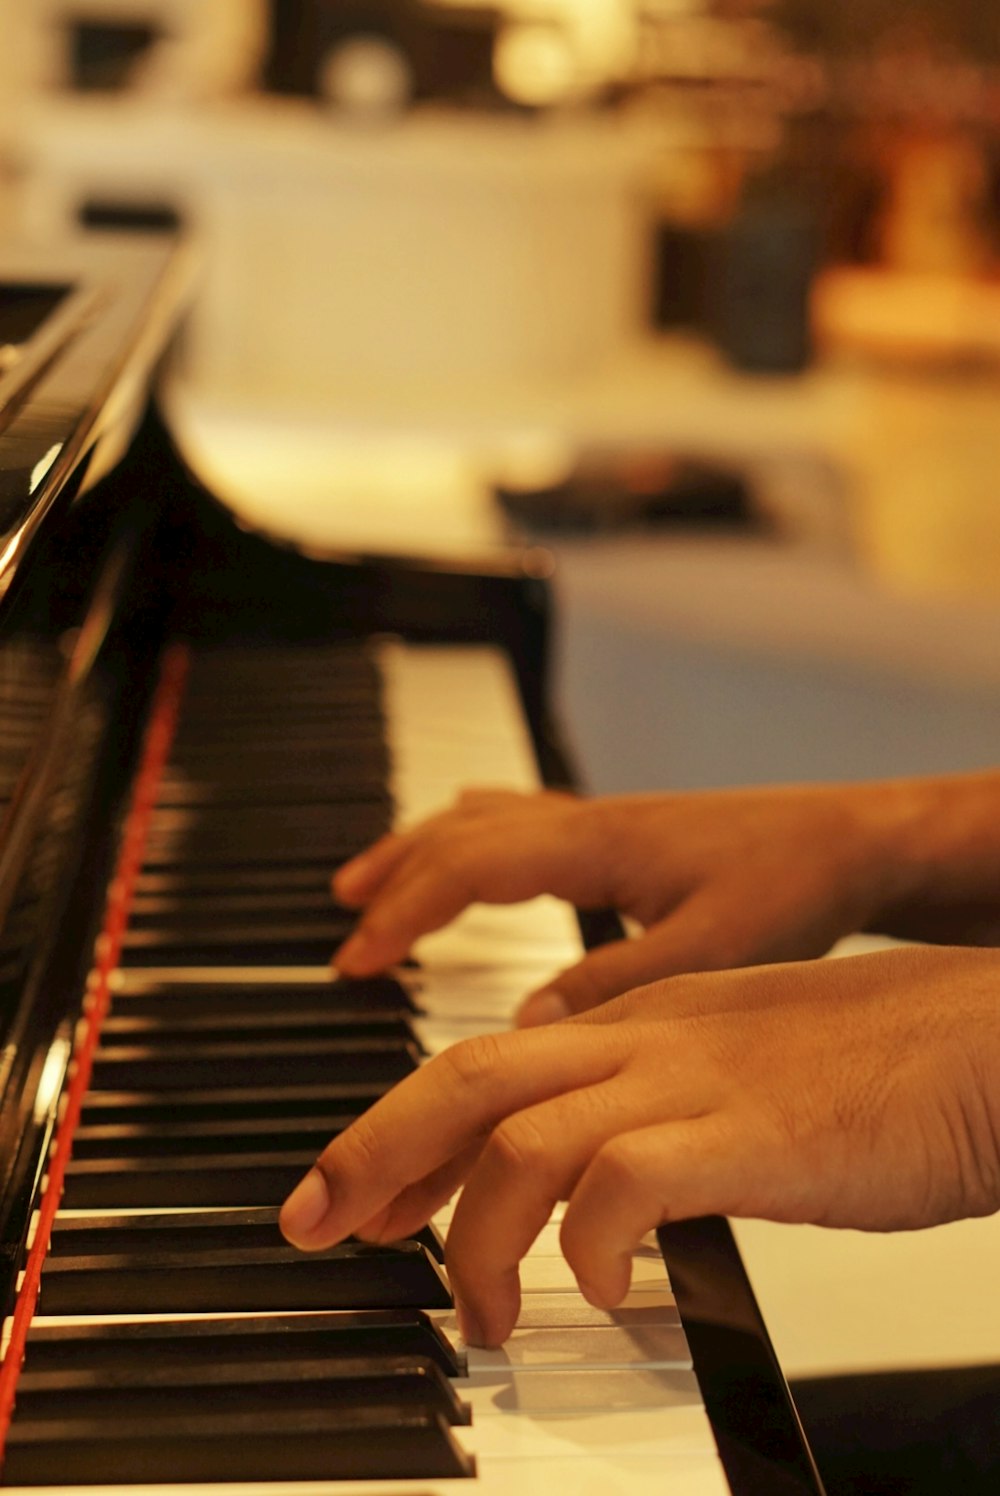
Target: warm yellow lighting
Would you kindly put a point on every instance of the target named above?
(51, 1079)
(41, 468)
(534, 65)
(367, 75)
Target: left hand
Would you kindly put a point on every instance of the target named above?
(861, 1093)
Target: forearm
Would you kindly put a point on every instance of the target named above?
(941, 838)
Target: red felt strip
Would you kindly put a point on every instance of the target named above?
(107, 950)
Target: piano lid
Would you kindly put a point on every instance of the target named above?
(82, 326)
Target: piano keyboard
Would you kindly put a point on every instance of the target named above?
(177, 1340)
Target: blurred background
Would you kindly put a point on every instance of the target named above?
(700, 297)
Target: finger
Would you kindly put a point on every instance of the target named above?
(355, 881)
(422, 895)
(661, 951)
(532, 1160)
(414, 1206)
(506, 1202)
(639, 1180)
(431, 1117)
(719, 927)
(454, 865)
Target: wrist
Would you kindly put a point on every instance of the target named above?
(935, 845)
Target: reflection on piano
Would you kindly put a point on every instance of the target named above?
(196, 726)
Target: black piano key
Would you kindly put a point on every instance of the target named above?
(313, 730)
(198, 1230)
(349, 802)
(232, 673)
(267, 1062)
(350, 1276)
(193, 856)
(153, 1391)
(197, 904)
(285, 1445)
(94, 1233)
(236, 926)
(192, 1139)
(214, 699)
(392, 1334)
(302, 716)
(187, 792)
(168, 935)
(195, 861)
(308, 874)
(363, 999)
(298, 711)
(231, 755)
(215, 1030)
(270, 824)
(151, 1107)
(216, 770)
(216, 1179)
(269, 953)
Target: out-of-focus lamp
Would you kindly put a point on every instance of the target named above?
(535, 65)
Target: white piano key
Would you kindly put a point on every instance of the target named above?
(443, 1215)
(551, 1310)
(550, 1274)
(547, 1243)
(521, 1416)
(463, 724)
(580, 1475)
(434, 1039)
(465, 990)
(682, 1474)
(564, 1394)
(511, 933)
(595, 1348)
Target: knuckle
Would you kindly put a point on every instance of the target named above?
(618, 1167)
(518, 1147)
(452, 859)
(472, 1063)
(651, 999)
(357, 1152)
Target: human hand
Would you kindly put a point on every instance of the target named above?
(858, 1093)
(717, 880)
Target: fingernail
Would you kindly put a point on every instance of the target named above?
(542, 1007)
(305, 1207)
(469, 1327)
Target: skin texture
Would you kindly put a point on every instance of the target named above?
(859, 1093)
(716, 880)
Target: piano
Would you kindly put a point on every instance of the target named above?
(197, 723)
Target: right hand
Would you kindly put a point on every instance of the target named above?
(861, 1093)
(716, 879)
